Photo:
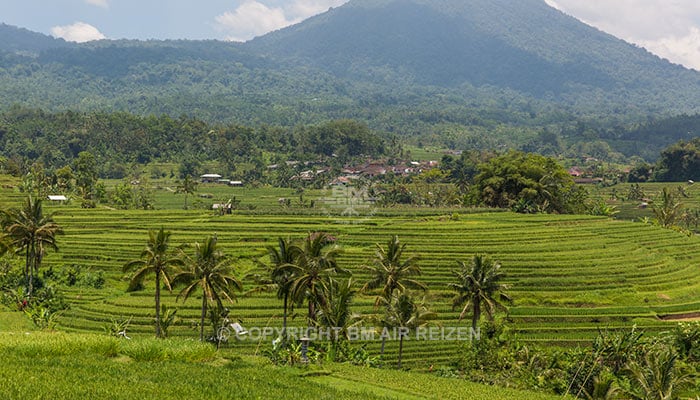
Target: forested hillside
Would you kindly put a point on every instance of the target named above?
(458, 74)
(524, 46)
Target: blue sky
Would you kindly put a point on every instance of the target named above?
(669, 28)
(159, 19)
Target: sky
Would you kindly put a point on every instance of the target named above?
(668, 28)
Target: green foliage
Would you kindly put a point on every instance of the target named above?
(130, 194)
(187, 186)
(335, 312)
(168, 319)
(618, 349)
(314, 263)
(479, 286)
(635, 192)
(43, 318)
(679, 162)
(77, 275)
(640, 173)
(85, 167)
(344, 138)
(118, 328)
(528, 183)
(391, 271)
(656, 376)
(686, 340)
(667, 209)
(404, 313)
(291, 354)
(602, 208)
(485, 355)
(30, 232)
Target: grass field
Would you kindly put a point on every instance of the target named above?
(41, 365)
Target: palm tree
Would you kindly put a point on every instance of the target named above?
(313, 266)
(604, 388)
(336, 312)
(154, 260)
(210, 271)
(187, 186)
(656, 376)
(391, 273)
(29, 231)
(478, 284)
(405, 314)
(281, 275)
(668, 210)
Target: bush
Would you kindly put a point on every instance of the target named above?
(686, 340)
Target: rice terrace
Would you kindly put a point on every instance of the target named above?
(571, 277)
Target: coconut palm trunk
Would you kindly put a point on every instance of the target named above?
(203, 315)
(157, 301)
(476, 312)
(284, 317)
(28, 270)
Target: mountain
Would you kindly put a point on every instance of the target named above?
(523, 45)
(20, 40)
(458, 73)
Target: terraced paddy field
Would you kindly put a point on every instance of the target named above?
(570, 276)
(631, 210)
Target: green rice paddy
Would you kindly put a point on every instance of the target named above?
(570, 276)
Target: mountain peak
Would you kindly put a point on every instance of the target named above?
(523, 45)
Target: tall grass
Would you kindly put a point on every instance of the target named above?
(61, 366)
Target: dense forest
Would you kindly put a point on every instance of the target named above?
(119, 140)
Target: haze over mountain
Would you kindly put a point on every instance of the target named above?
(440, 68)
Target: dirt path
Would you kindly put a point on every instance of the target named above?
(687, 317)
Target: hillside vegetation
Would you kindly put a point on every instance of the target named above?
(461, 74)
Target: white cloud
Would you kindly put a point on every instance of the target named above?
(302, 9)
(668, 28)
(679, 49)
(254, 18)
(98, 3)
(251, 19)
(78, 32)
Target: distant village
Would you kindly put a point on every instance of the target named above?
(311, 171)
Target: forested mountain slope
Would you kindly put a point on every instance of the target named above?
(459, 73)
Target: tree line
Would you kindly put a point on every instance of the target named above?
(120, 140)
